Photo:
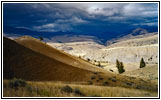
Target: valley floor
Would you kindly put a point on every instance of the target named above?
(52, 89)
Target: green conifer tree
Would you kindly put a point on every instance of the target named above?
(142, 63)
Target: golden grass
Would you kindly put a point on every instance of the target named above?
(53, 53)
(22, 62)
(51, 89)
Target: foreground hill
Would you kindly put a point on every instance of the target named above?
(53, 53)
(22, 62)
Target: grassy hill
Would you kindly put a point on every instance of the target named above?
(53, 53)
(149, 72)
(22, 62)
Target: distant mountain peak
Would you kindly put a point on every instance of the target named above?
(139, 31)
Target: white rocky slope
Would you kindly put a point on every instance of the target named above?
(78, 48)
(126, 54)
(137, 41)
(127, 51)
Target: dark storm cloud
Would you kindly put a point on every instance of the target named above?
(79, 16)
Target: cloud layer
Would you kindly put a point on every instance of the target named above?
(79, 17)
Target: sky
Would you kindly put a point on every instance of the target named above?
(80, 17)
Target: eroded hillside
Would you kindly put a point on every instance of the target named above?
(130, 50)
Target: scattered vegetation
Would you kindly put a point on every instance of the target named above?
(52, 89)
(78, 92)
(29, 88)
(99, 64)
(105, 83)
(95, 73)
(100, 78)
(130, 84)
(111, 70)
(15, 83)
(120, 66)
(90, 82)
(142, 63)
(93, 77)
(112, 79)
(41, 38)
(42, 92)
(67, 89)
(88, 59)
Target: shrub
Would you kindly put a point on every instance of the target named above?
(93, 77)
(41, 38)
(95, 73)
(42, 92)
(130, 84)
(120, 66)
(100, 78)
(15, 83)
(113, 79)
(90, 82)
(88, 59)
(29, 88)
(77, 91)
(67, 89)
(99, 64)
(105, 83)
(142, 63)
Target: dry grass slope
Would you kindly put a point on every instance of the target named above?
(49, 51)
(150, 72)
(50, 89)
(22, 62)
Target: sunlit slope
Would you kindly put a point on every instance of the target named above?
(149, 72)
(136, 41)
(49, 51)
(21, 62)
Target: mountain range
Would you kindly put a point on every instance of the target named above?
(97, 37)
